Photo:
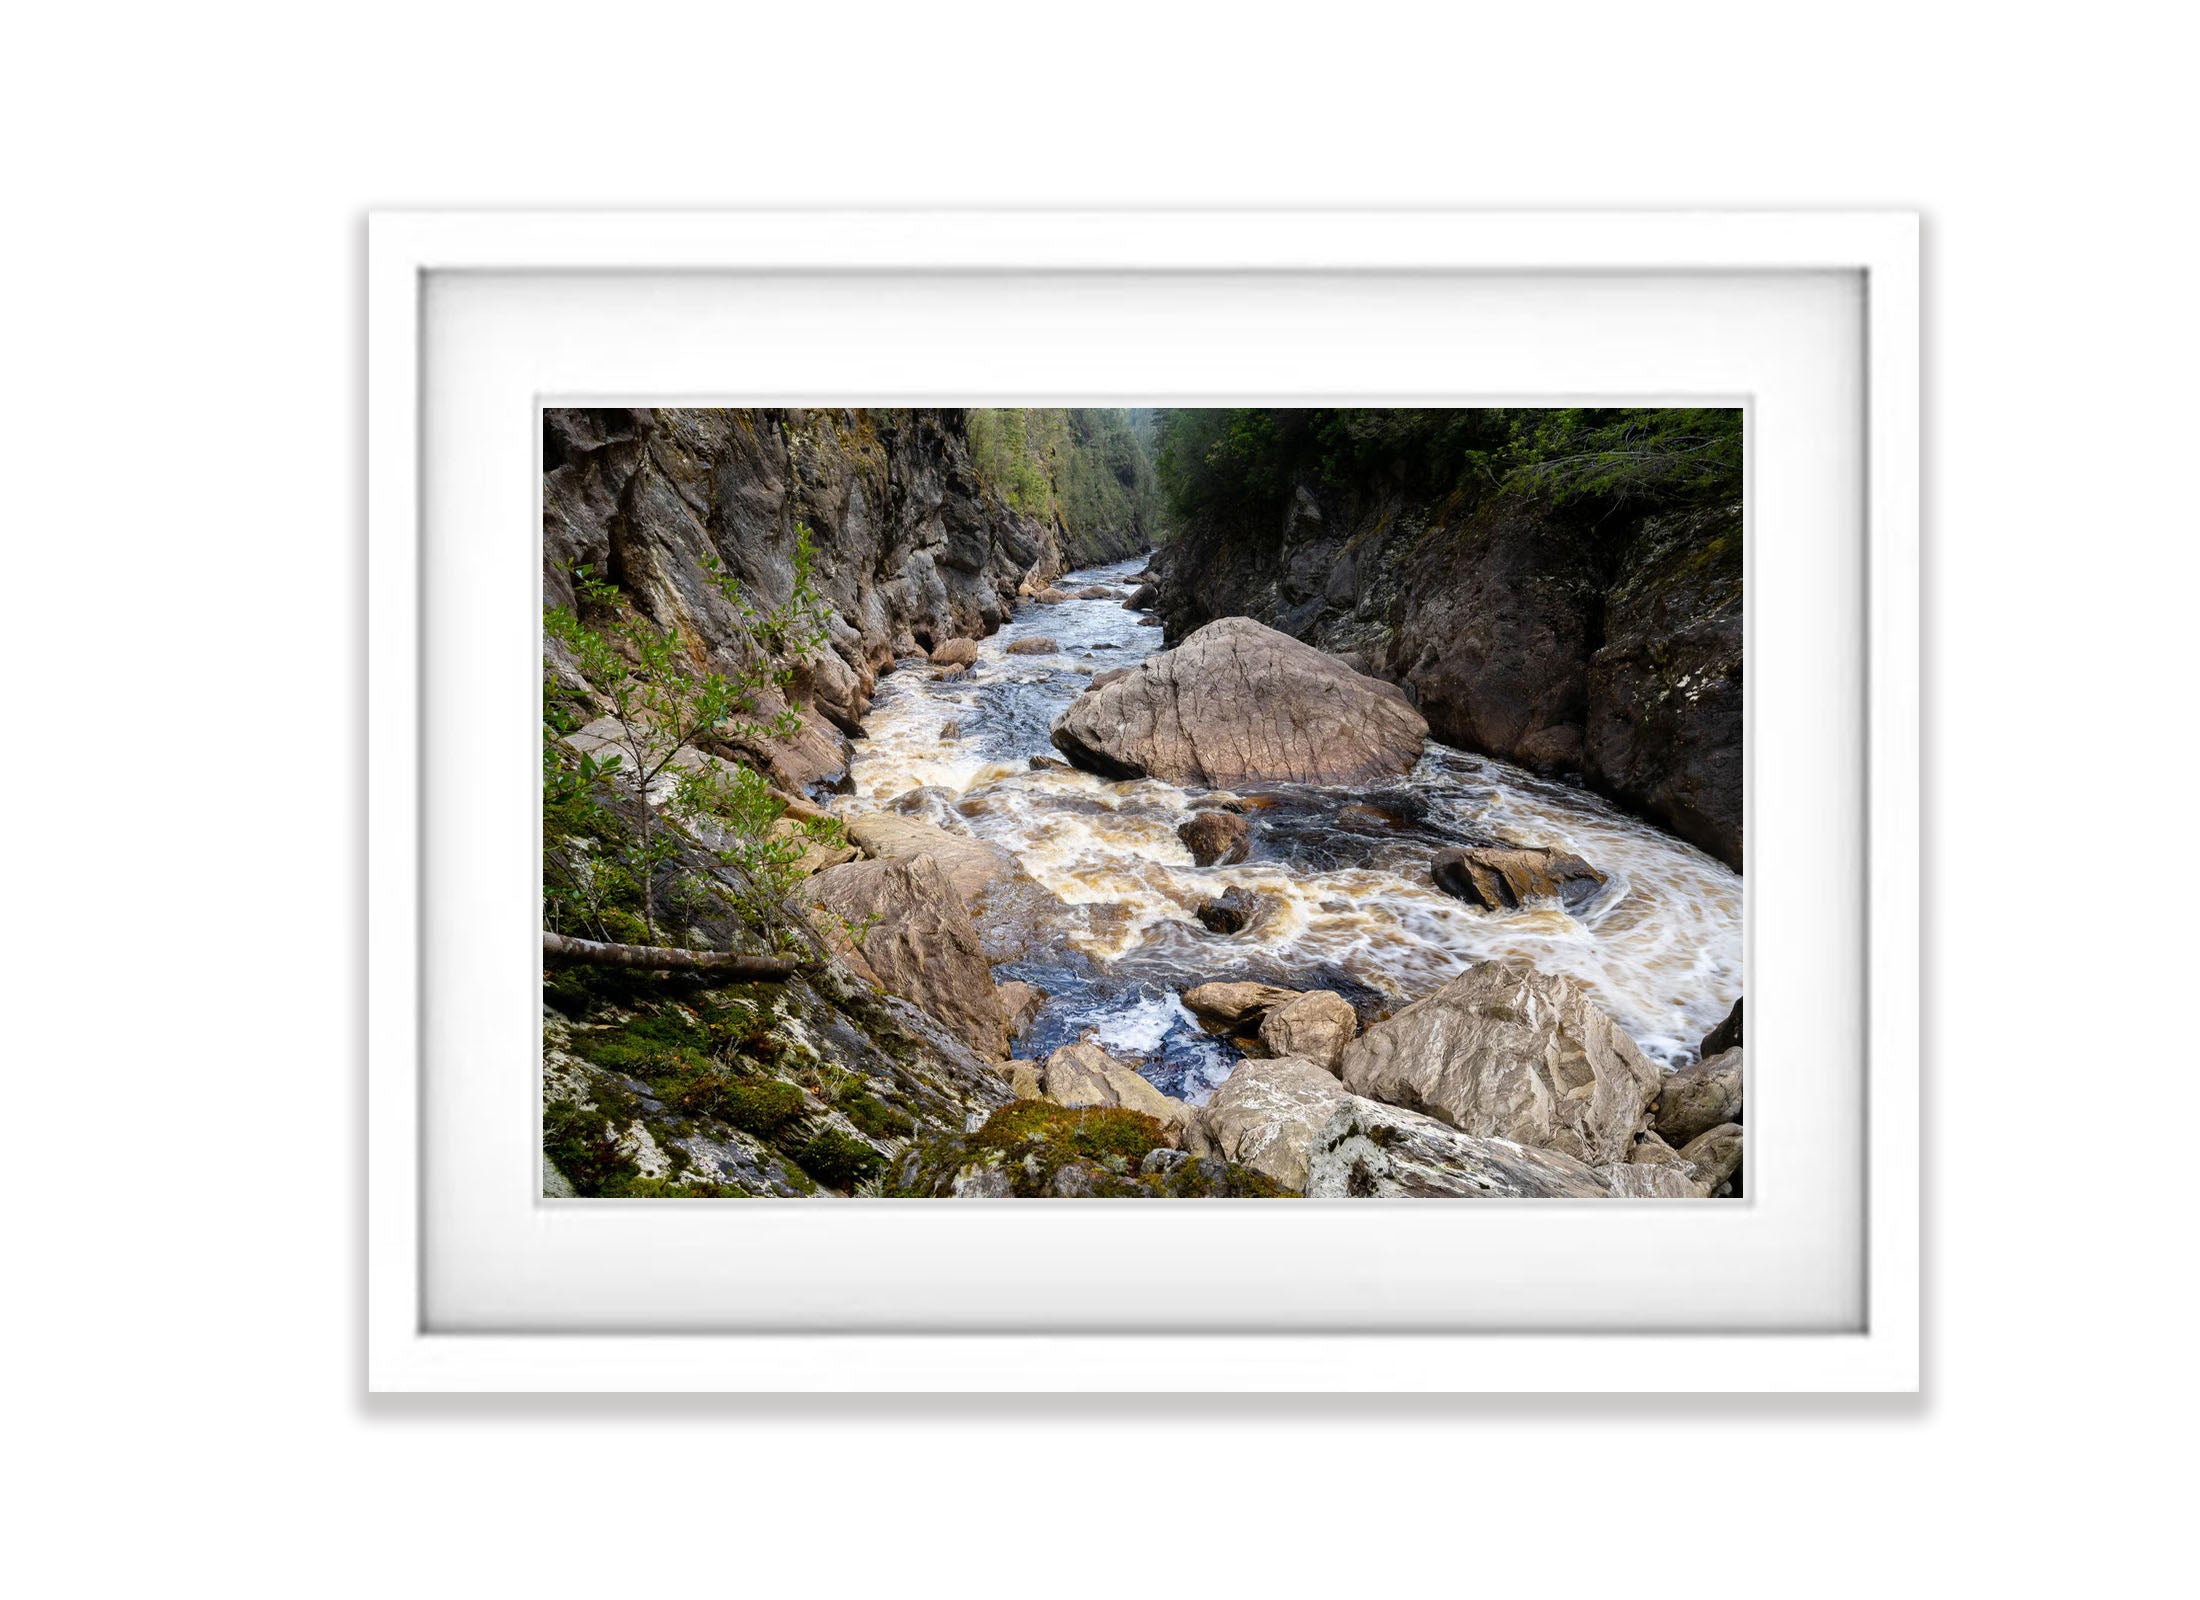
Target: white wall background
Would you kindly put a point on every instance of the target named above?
(182, 438)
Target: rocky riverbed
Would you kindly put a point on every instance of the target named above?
(1543, 1009)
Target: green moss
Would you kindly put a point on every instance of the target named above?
(663, 1041)
(1063, 1133)
(872, 1115)
(584, 1145)
(762, 1107)
(838, 1161)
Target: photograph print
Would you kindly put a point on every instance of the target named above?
(1131, 803)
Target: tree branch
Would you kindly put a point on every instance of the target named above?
(659, 958)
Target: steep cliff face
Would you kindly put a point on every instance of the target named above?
(912, 548)
(1607, 648)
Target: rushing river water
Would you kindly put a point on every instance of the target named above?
(1344, 872)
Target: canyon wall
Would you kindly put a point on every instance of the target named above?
(1574, 641)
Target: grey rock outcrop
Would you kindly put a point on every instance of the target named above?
(1371, 1151)
(918, 942)
(1503, 1051)
(1602, 646)
(912, 550)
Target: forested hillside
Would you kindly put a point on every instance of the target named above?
(1084, 471)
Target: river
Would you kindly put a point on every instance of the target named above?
(1346, 872)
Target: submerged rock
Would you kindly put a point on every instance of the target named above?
(1372, 1151)
(1229, 912)
(1503, 1051)
(1216, 838)
(1503, 878)
(1698, 1098)
(1238, 703)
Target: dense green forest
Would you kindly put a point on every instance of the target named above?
(1085, 469)
(1244, 460)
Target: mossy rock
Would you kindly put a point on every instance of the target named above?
(1037, 1149)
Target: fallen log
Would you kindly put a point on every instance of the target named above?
(662, 958)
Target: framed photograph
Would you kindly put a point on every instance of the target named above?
(1039, 800)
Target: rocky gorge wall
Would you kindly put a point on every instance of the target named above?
(913, 547)
(1607, 649)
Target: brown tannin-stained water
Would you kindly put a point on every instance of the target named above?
(1343, 874)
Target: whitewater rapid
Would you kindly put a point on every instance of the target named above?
(1345, 871)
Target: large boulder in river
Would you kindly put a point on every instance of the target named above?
(1503, 877)
(1371, 1151)
(1035, 644)
(1315, 1027)
(954, 652)
(1506, 1052)
(918, 941)
(1239, 703)
(1698, 1098)
(1265, 1117)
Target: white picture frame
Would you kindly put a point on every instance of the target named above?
(410, 253)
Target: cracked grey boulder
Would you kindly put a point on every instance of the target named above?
(1367, 1151)
(1506, 1052)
